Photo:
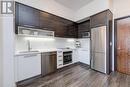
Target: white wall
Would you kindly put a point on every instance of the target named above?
(41, 43)
(91, 9)
(110, 6)
(121, 8)
(8, 51)
(1, 53)
(50, 6)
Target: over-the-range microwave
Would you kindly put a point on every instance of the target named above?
(85, 34)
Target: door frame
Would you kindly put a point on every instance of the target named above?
(115, 40)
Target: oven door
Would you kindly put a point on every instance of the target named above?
(67, 57)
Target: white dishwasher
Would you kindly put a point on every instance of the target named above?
(27, 66)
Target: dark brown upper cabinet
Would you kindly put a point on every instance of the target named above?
(100, 19)
(61, 26)
(46, 23)
(31, 17)
(27, 16)
(72, 31)
(83, 27)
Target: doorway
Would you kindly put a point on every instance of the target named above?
(122, 45)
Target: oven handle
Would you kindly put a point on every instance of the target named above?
(67, 54)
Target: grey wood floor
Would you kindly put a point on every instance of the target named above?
(81, 76)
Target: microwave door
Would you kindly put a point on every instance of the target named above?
(86, 34)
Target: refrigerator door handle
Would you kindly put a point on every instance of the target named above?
(110, 43)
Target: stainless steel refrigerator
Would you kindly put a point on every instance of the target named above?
(98, 49)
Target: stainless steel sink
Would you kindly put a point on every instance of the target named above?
(29, 52)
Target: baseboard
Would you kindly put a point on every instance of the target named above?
(83, 64)
(27, 81)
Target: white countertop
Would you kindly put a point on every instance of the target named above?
(21, 53)
(47, 50)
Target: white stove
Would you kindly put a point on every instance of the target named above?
(64, 57)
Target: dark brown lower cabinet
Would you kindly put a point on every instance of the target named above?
(49, 63)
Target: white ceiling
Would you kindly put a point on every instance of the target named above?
(74, 4)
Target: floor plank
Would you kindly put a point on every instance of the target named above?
(81, 76)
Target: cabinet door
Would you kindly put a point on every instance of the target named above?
(61, 32)
(84, 56)
(27, 16)
(53, 23)
(53, 62)
(99, 19)
(28, 66)
(75, 56)
(83, 27)
(46, 23)
(72, 31)
(61, 26)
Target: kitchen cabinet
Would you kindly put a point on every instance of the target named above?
(31, 17)
(61, 31)
(100, 19)
(72, 31)
(84, 56)
(49, 63)
(46, 23)
(75, 56)
(83, 27)
(27, 16)
(84, 51)
(27, 66)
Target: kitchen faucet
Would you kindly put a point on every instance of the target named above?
(29, 45)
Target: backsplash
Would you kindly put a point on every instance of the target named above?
(21, 43)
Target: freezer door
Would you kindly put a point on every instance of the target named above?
(98, 62)
(98, 39)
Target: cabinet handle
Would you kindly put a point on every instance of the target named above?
(31, 55)
(59, 56)
(28, 26)
(53, 54)
(45, 28)
(59, 51)
(60, 60)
